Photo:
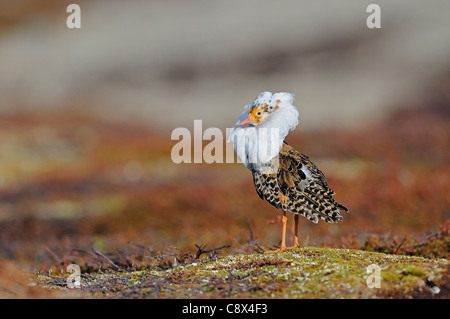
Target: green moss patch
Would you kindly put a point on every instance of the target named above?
(307, 272)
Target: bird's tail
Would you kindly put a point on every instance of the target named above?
(315, 203)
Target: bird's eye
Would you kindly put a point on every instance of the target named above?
(258, 113)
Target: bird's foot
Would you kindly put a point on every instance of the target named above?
(281, 249)
(296, 244)
(276, 251)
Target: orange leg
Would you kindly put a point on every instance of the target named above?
(296, 244)
(283, 237)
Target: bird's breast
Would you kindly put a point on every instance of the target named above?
(257, 149)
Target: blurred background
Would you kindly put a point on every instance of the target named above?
(86, 117)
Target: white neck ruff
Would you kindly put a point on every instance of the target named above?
(257, 146)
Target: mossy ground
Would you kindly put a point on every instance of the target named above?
(307, 272)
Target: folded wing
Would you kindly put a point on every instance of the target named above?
(298, 186)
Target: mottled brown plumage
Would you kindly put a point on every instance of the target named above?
(298, 186)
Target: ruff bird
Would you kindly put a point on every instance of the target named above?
(284, 177)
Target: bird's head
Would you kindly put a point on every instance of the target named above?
(260, 110)
(256, 115)
(268, 110)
